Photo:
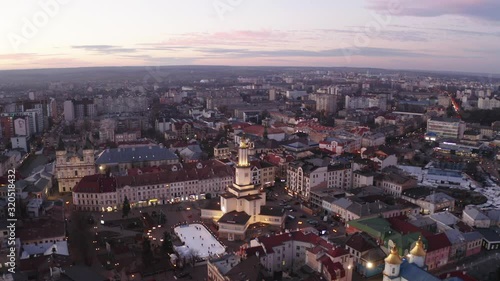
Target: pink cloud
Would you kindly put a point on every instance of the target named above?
(238, 37)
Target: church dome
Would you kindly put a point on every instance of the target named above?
(418, 250)
(393, 257)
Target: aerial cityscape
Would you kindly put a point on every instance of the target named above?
(233, 140)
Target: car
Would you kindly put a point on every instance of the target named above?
(181, 275)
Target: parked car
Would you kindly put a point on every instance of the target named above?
(181, 275)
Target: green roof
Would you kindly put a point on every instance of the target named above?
(375, 227)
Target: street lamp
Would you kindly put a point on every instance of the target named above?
(369, 265)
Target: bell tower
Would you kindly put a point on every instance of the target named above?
(392, 265)
(243, 173)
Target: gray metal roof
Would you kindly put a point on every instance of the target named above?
(135, 154)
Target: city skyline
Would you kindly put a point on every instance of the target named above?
(427, 35)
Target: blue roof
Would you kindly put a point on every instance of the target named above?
(135, 154)
(414, 273)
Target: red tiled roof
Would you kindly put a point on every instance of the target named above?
(96, 184)
(254, 250)
(460, 274)
(143, 170)
(359, 243)
(44, 229)
(333, 268)
(276, 240)
(239, 125)
(400, 225)
(437, 242)
(276, 159)
(185, 172)
(463, 227)
(258, 130)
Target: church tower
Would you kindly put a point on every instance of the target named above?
(243, 196)
(417, 254)
(392, 265)
(243, 175)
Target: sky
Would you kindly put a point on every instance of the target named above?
(448, 35)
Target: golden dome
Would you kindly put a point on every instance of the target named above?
(393, 257)
(418, 250)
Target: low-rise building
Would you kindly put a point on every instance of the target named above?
(232, 267)
(362, 178)
(221, 151)
(150, 186)
(394, 181)
(373, 139)
(304, 176)
(458, 243)
(367, 255)
(429, 201)
(263, 173)
(491, 238)
(96, 193)
(291, 250)
(473, 240)
(446, 127)
(438, 251)
(472, 216)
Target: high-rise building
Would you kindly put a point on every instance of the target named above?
(52, 108)
(85, 108)
(325, 102)
(272, 94)
(69, 111)
(488, 103)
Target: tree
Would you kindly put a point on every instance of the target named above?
(126, 207)
(264, 114)
(147, 252)
(167, 247)
(450, 111)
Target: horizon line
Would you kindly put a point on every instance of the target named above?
(256, 66)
